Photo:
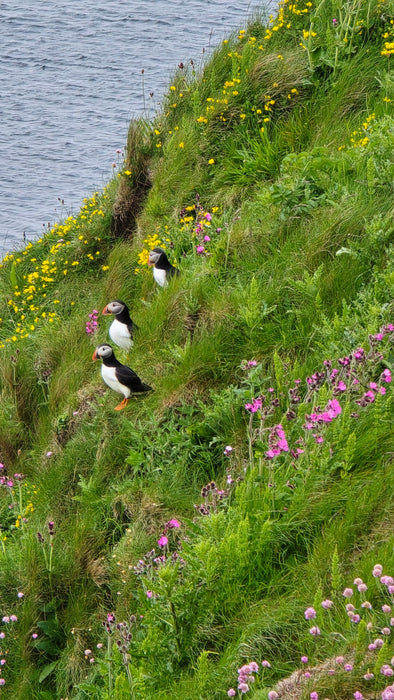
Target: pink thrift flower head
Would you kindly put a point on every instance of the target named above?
(231, 693)
(254, 667)
(315, 631)
(339, 660)
(91, 660)
(314, 696)
(388, 693)
(366, 604)
(49, 454)
(387, 580)
(2, 662)
(386, 670)
(331, 671)
(358, 696)
(273, 695)
(227, 450)
(2, 681)
(87, 652)
(243, 687)
(310, 614)
(162, 541)
(335, 21)
(304, 659)
(2, 635)
(348, 592)
(34, 635)
(13, 618)
(386, 631)
(20, 594)
(362, 587)
(149, 594)
(386, 609)
(266, 664)
(355, 618)
(350, 607)
(306, 674)
(6, 619)
(379, 568)
(378, 643)
(327, 604)
(372, 646)
(368, 676)
(99, 645)
(348, 667)
(357, 581)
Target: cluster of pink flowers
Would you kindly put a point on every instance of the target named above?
(170, 525)
(277, 442)
(254, 406)
(246, 677)
(91, 325)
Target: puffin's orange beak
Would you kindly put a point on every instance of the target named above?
(105, 311)
(150, 263)
(95, 356)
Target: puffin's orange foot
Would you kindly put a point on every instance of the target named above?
(122, 404)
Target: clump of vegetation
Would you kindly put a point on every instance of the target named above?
(231, 521)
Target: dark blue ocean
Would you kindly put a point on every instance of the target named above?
(71, 80)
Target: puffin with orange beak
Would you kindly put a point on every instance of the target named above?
(122, 327)
(117, 376)
(162, 268)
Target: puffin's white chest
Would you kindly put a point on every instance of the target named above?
(120, 334)
(160, 276)
(109, 376)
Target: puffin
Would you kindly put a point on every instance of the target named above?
(122, 327)
(162, 268)
(117, 376)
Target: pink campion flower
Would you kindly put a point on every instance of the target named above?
(207, 239)
(348, 592)
(315, 631)
(200, 249)
(149, 594)
(208, 216)
(373, 386)
(342, 386)
(335, 21)
(282, 445)
(310, 614)
(173, 523)
(327, 604)
(386, 376)
(382, 390)
(162, 541)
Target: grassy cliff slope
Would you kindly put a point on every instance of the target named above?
(235, 516)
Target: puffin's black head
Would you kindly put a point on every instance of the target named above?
(114, 307)
(102, 351)
(155, 255)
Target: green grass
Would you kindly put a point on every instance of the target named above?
(298, 270)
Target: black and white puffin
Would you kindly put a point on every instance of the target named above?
(122, 327)
(117, 376)
(162, 268)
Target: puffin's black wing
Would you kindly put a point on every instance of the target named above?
(173, 271)
(129, 378)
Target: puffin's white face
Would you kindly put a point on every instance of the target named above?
(103, 351)
(154, 256)
(115, 307)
